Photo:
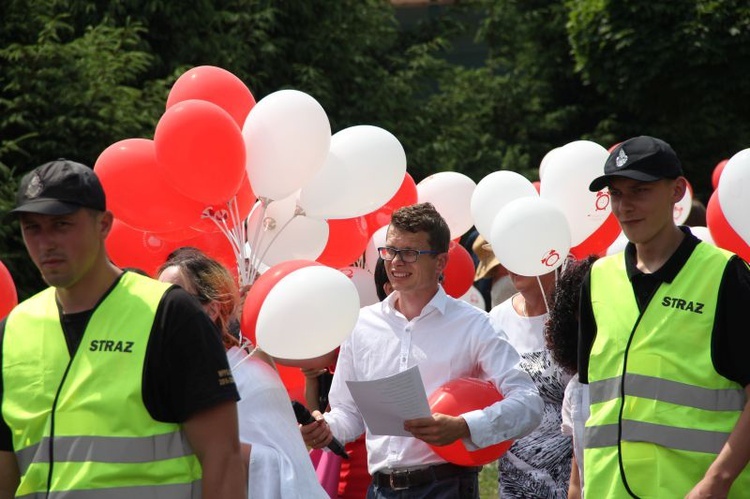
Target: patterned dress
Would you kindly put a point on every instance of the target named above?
(537, 465)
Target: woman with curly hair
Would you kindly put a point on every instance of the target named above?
(561, 336)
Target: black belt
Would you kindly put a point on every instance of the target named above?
(401, 480)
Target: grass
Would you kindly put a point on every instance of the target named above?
(488, 481)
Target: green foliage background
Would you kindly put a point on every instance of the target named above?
(78, 75)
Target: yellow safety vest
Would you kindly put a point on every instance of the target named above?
(660, 413)
(80, 424)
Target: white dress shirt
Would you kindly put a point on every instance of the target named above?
(575, 412)
(450, 339)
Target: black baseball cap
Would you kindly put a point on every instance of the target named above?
(641, 158)
(59, 187)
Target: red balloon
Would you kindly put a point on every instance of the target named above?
(321, 362)
(347, 240)
(457, 397)
(200, 151)
(405, 196)
(599, 240)
(294, 381)
(722, 232)
(136, 192)
(129, 247)
(215, 245)
(538, 186)
(8, 295)
(459, 272)
(216, 85)
(178, 235)
(716, 174)
(260, 289)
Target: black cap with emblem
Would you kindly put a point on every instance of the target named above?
(59, 187)
(641, 158)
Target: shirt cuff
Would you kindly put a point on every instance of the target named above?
(480, 431)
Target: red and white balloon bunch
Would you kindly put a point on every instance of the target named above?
(728, 209)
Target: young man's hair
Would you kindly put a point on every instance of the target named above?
(423, 217)
(561, 329)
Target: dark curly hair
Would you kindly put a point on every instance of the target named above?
(423, 217)
(561, 329)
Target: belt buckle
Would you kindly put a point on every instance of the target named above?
(399, 480)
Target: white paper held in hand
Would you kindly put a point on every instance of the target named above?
(387, 402)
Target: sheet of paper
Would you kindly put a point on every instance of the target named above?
(386, 403)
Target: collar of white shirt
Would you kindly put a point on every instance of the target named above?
(438, 302)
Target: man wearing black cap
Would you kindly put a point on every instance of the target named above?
(663, 345)
(99, 394)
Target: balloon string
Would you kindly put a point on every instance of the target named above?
(244, 346)
(255, 260)
(541, 288)
(221, 223)
(240, 235)
(286, 224)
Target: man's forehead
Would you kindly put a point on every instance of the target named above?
(414, 238)
(629, 183)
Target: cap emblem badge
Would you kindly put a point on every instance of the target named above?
(621, 158)
(35, 187)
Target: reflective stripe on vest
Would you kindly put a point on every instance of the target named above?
(674, 392)
(659, 410)
(169, 491)
(107, 449)
(101, 433)
(666, 436)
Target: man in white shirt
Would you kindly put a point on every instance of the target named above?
(418, 324)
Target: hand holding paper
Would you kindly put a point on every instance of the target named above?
(385, 404)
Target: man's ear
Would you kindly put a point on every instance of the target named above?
(680, 187)
(105, 223)
(442, 261)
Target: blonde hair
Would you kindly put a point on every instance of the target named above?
(213, 285)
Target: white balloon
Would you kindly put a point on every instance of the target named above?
(308, 313)
(450, 193)
(281, 233)
(287, 136)
(566, 183)
(474, 297)
(734, 193)
(683, 206)
(376, 241)
(545, 161)
(363, 170)
(495, 191)
(703, 234)
(618, 245)
(365, 284)
(530, 236)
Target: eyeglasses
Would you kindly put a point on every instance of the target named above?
(407, 255)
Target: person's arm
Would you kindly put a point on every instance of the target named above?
(9, 475)
(520, 411)
(346, 423)
(733, 458)
(438, 429)
(574, 487)
(214, 436)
